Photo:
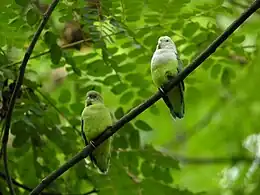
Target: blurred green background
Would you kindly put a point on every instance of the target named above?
(153, 154)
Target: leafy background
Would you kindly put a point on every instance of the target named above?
(152, 154)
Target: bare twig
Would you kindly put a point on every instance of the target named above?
(17, 88)
(142, 107)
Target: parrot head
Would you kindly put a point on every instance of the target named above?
(93, 97)
(165, 42)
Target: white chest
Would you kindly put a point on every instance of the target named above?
(162, 57)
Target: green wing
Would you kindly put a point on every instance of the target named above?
(180, 68)
(91, 156)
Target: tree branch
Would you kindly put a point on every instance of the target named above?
(199, 160)
(142, 107)
(243, 6)
(59, 112)
(48, 51)
(67, 46)
(208, 160)
(19, 82)
(2, 175)
(214, 160)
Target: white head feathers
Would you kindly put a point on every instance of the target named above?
(166, 42)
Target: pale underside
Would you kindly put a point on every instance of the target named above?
(165, 65)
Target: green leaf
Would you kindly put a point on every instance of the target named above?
(142, 125)
(111, 79)
(126, 97)
(126, 68)
(32, 17)
(70, 60)
(50, 38)
(134, 139)
(22, 2)
(145, 93)
(137, 102)
(189, 50)
(154, 109)
(20, 140)
(92, 87)
(77, 107)
(119, 88)
(65, 96)
(120, 142)
(56, 54)
(98, 68)
(238, 39)
(190, 29)
(8, 74)
(215, 71)
(147, 169)
(3, 58)
(119, 113)
(134, 77)
(227, 75)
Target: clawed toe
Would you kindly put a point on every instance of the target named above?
(162, 91)
(92, 143)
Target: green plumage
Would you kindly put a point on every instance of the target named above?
(95, 119)
(165, 65)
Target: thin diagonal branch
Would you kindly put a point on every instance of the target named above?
(25, 187)
(214, 160)
(2, 175)
(243, 6)
(58, 111)
(208, 160)
(142, 107)
(67, 46)
(48, 51)
(202, 160)
(17, 88)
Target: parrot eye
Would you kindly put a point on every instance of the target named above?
(167, 40)
(92, 96)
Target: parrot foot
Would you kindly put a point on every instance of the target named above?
(162, 92)
(92, 143)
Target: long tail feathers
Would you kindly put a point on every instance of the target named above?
(175, 102)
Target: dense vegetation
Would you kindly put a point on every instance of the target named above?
(210, 151)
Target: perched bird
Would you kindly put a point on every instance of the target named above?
(96, 117)
(165, 65)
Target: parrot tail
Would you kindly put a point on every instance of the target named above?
(101, 156)
(175, 102)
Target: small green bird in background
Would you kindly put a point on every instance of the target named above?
(96, 117)
(165, 65)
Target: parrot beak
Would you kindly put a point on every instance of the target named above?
(159, 46)
(89, 102)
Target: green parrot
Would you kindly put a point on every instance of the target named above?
(165, 65)
(95, 118)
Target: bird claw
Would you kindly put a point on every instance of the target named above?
(92, 143)
(162, 91)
